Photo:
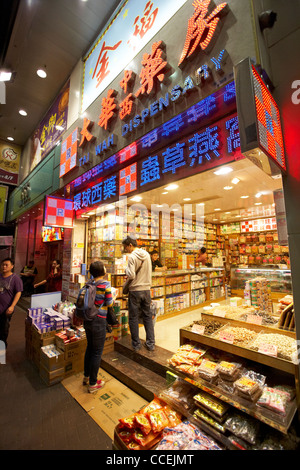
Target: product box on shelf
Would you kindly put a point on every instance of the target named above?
(51, 358)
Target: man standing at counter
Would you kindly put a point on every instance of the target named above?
(139, 279)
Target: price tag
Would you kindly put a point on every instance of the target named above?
(254, 319)
(199, 329)
(269, 349)
(219, 313)
(227, 337)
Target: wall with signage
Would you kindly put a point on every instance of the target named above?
(141, 96)
(32, 190)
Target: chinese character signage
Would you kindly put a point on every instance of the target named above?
(59, 212)
(259, 225)
(50, 128)
(129, 32)
(259, 120)
(9, 163)
(68, 156)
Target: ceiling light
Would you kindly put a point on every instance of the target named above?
(22, 112)
(228, 212)
(258, 203)
(171, 187)
(5, 76)
(238, 216)
(159, 205)
(201, 204)
(235, 181)
(41, 73)
(258, 195)
(136, 198)
(10, 138)
(166, 192)
(244, 197)
(187, 199)
(218, 209)
(227, 188)
(223, 171)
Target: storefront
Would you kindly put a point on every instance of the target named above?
(158, 156)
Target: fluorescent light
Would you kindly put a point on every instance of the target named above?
(41, 73)
(227, 188)
(244, 197)
(10, 138)
(228, 212)
(187, 199)
(218, 209)
(166, 192)
(258, 204)
(171, 187)
(5, 76)
(258, 195)
(235, 181)
(223, 171)
(136, 198)
(22, 112)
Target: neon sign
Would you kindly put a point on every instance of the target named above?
(68, 157)
(259, 120)
(59, 212)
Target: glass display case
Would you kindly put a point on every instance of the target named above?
(280, 279)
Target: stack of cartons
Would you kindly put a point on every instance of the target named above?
(52, 364)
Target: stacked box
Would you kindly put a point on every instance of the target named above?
(260, 294)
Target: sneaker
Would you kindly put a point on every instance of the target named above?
(97, 386)
(137, 348)
(85, 381)
(150, 348)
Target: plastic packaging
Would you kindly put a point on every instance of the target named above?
(244, 427)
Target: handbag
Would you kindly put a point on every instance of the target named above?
(111, 317)
(127, 283)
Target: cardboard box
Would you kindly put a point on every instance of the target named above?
(73, 367)
(236, 301)
(54, 362)
(51, 377)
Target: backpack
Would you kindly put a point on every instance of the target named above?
(85, 303)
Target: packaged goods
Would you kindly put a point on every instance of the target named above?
(249, 385)
(208, 370)
(143, 423)
(212, 404)
(274, 399)
(186, 436)
(180, 394)
(244, 427)
(158, 420)
(201, 415)
(210, 326)
(288, 389)
(228, 370)
(187, 354)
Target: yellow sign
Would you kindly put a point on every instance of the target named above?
(3, 198)
(9, 162)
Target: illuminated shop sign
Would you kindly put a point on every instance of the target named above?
(135, 24)
(59, 212)
(68, 157)
(259, 120)
(202, 150)
(205, 111)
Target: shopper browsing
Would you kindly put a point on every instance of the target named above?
(139, 279)
(11, 288)
(96, 329)
(54, 280)
(28, 275)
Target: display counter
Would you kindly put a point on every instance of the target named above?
(180, 290)
(280, 279)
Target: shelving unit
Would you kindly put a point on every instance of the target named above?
(281, 423)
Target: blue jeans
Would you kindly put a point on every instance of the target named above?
(139, 306)
(95, 334)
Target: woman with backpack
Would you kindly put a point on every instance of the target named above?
(95, 328)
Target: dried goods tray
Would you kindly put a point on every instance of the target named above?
(276, 421)
(281, 364)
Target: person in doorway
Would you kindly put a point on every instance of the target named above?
(28, 275)
(156, 263)
(96, 328)
(11, 288)
(202, 257)
(139, 277)
(54, 280)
